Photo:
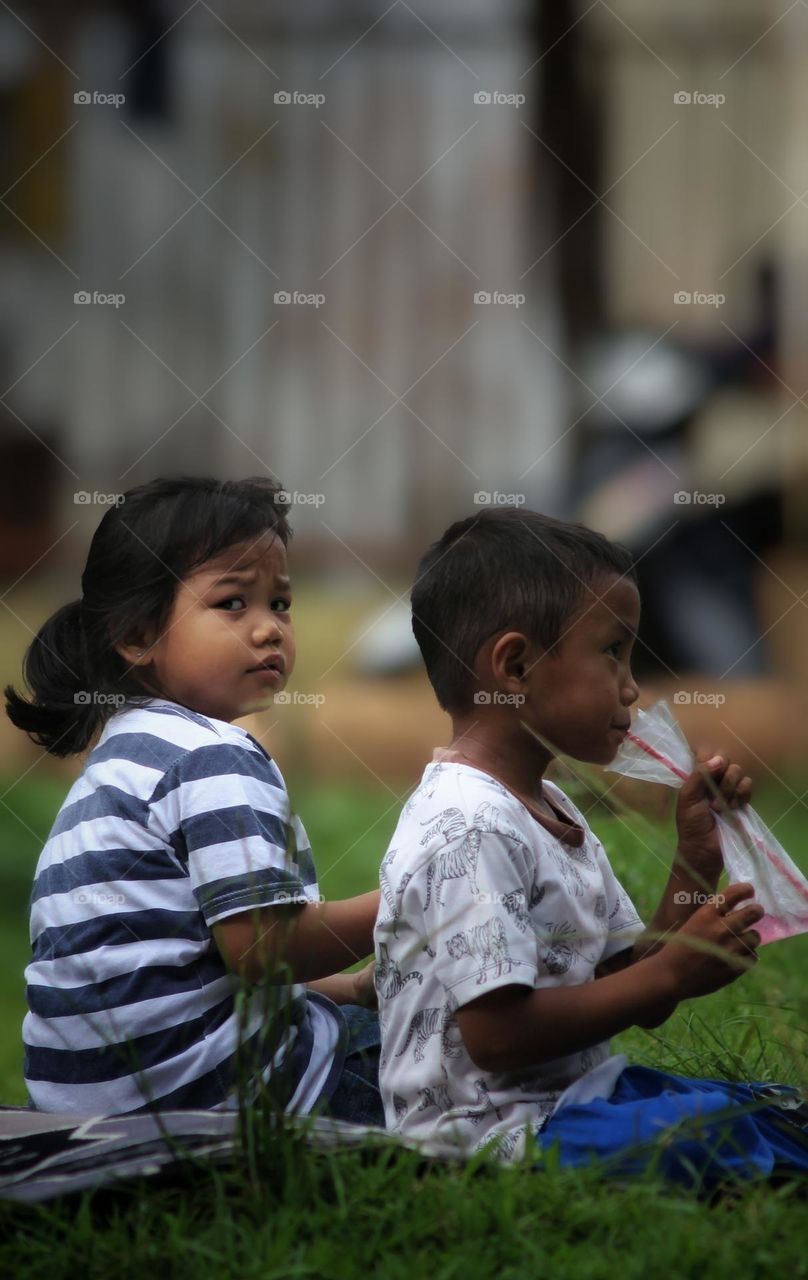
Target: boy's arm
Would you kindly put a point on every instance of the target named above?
(513, 1028)
(298, 942)
(713, 786)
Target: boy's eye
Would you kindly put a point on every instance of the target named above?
(281, 604)
(614, 649)
(225, 604)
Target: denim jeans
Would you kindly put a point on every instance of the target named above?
(357, 1097)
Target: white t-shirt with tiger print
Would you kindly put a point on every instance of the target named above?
(478, 894)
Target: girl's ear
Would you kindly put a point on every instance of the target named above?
(136, 653)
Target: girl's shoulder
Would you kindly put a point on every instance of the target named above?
(158, 733)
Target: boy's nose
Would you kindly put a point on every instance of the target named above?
(631, 692)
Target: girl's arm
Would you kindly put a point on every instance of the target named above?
(298, 942)
(514, 1028)
(349, 988)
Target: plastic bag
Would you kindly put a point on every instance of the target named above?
(656, 749)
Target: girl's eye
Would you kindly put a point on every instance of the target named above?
(613, 649)
(224, 604)
(281, 604)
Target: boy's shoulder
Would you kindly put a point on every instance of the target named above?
(450, 799)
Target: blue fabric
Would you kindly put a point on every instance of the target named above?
(356, 1096)
(696, 1132)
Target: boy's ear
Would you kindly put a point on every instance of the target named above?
(511, 656)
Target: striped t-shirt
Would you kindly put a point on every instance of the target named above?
(177, 821)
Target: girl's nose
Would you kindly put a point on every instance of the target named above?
(266, 628)
(631, 691)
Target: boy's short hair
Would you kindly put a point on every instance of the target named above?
(501, 569)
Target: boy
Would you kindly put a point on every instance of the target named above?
(507, 952)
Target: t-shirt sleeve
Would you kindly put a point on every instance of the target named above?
(227, 813)
(473, 888)
(624, 923)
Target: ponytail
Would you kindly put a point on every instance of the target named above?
(146, 543)
(65, 710)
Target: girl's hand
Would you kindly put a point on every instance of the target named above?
(365, 987)
(731, 941)
(696, 805)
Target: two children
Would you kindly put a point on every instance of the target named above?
(175, 913)
(507, 951)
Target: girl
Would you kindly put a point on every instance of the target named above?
(175, 910)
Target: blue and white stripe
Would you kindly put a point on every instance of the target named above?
(176, 822)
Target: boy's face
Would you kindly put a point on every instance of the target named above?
(229, 617)
(578, 696)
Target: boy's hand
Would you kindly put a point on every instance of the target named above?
(696, 805)
(715, 946)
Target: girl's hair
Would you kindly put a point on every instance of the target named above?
(145, 545)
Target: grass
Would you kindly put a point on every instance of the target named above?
(344, 1214)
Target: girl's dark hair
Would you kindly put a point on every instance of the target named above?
(145, 545)
(503, 568)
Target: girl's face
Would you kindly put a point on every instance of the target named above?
(229, 644)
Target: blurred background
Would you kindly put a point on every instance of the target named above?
(413, 259)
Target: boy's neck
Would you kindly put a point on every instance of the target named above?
(516, 758)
